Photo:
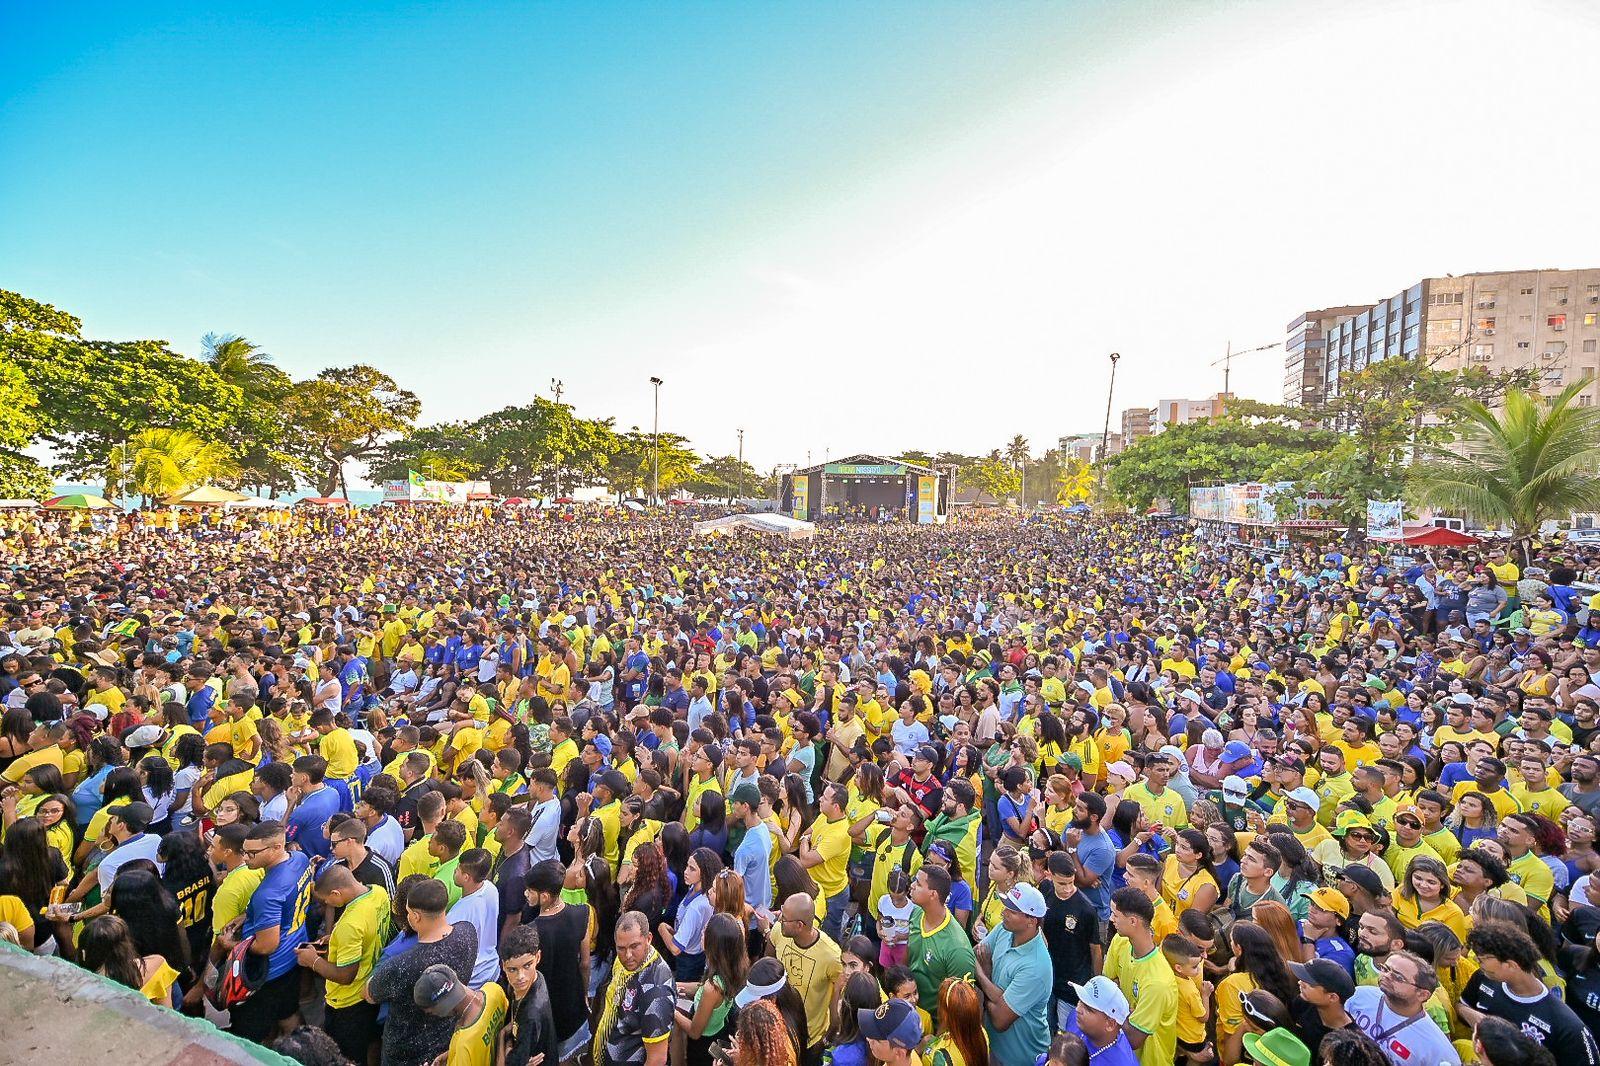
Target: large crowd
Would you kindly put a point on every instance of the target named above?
(479, 786)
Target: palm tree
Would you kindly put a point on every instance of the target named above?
(1529, 463)
(242, 363)
(1017, 455)
(164, 462)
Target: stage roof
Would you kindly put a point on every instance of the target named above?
(867, 466)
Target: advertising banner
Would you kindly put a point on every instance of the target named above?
(927, 498)
(1384, 518)
(802, 503)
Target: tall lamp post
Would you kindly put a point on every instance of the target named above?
(741, 462)
(655, 447)
(1105, 432)
(557, 386)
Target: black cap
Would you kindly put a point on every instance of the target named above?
(1326, 974)
(1362, 877)
(438, 991)
(895, 1021)
(136, 816)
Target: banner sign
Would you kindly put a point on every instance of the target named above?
(927, 499)
(414, 489)
(1384, 518)
(865, 469)
(802, 503)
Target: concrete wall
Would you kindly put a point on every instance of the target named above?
(61, 1013)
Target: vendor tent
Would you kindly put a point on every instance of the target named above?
(777, 524)
(325, 501)
(1423, 535)
(18, 505)
(254, 503)
(204, 496)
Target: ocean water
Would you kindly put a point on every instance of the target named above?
(359, 497)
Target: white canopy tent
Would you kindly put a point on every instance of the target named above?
(254, 503)
(780, 525)
(18, 505)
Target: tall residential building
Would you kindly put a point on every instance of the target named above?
(1086, 446)
(1304, 368)
(1169, 413)
(1502, 320)
(1137, 424)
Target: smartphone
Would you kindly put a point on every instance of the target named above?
(64, 910)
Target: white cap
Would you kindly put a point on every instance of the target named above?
(1190, 694)
(1123, 769)
(1025, 898)
(1102, 994)
(1234, 785)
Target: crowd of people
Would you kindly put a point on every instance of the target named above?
(476, 786)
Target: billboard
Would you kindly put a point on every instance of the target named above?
(802, 503)
(415, 489)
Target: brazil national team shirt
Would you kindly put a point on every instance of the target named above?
(281, 900)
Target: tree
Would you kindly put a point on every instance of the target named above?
(1520, 467)
(244, 365)
(1385, 415)
(626, 470)
(1076, 482)
(994, 477)
(345, 413)
(1208, 452)
(723, 477)
(95, 395)
(21, 476)
(164, 462)
(446, 446)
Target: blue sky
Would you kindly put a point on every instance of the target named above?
(822, 222)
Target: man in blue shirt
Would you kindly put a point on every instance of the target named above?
(307, 827)
(1015, 976)
(1094, 856)
(202, 697)
(276, 920)
(1098, 1019)
(751, 858)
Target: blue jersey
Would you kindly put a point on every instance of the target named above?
(199, 706)
(281, 900)
(307, 826)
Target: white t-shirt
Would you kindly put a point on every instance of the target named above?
(482, 909)
(896, 921)
(1421, 1041)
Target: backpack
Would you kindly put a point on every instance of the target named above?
(239, 977)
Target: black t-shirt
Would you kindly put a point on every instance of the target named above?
(531, 1029)
(1311, 1028)
(411, 1036)
(1546, 1019)
(1071, 927)
(405, 812)
(560, 940)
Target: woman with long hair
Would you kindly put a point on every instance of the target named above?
(138, 897)
(1298, 873)
(1424, 896)
(1257, 965)
(1274, 917)
(762, 1038)
(649, 891)
(159, 790)
(847, 1046)
(30, 868)
(711, 831)
(186, 875)
(683, 939)
(1007, 866)
(960, 1040)
(726, 963)
(1474, 819)
(107, 948)
(1188, 878)
(769, 983)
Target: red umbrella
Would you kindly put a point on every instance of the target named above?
(678, 503)
(565, 499)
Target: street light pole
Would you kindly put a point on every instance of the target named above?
(741, 462)
(655, 447)
(1105, 431)
(557, 386)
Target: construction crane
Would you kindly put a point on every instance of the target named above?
(1226, 362)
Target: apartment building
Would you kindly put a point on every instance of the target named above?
(1137, 423)
(1500, 320)
(1169, 413)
